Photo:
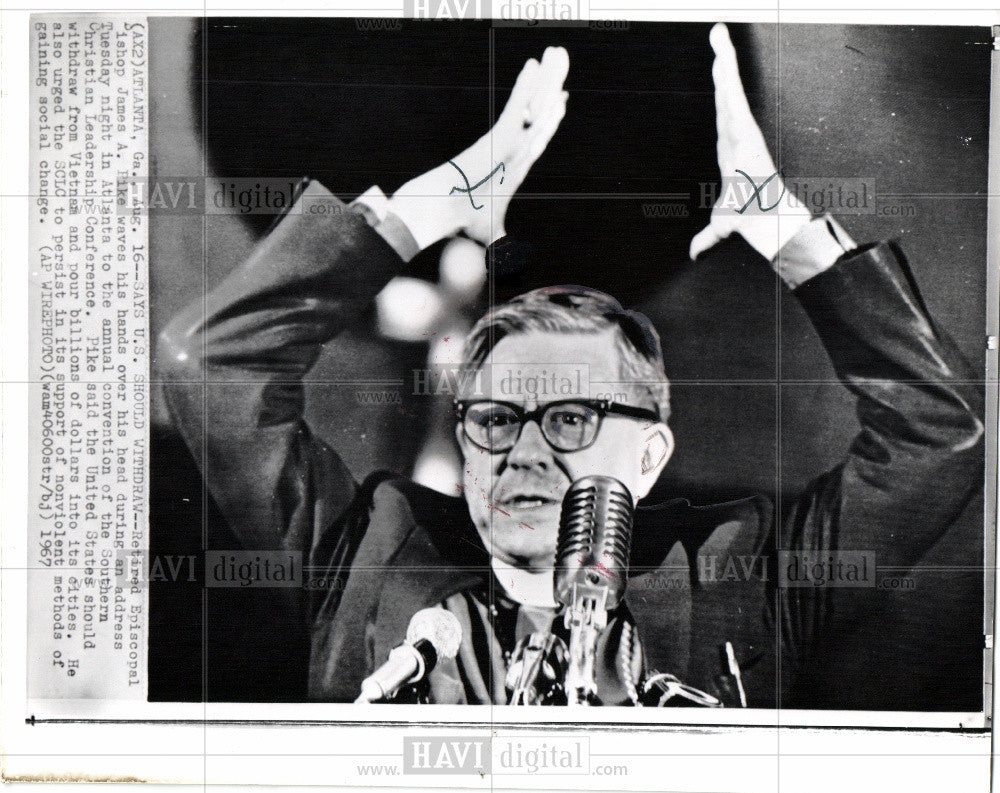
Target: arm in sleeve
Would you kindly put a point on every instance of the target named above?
(918, 457)
(233, 365)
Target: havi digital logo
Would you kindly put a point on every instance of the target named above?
(440, 755)
(531, 11)
(446, 9)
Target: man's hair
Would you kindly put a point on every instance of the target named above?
(578, 309)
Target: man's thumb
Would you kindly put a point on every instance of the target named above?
(704, 240)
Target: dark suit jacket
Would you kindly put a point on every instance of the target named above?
(701, 576)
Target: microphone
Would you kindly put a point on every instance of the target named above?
(432, 634)
(591, 571)
(595, 539)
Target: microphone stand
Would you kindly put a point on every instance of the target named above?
(537, 670)
(585, 619)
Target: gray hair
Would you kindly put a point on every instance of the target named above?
(578, 309)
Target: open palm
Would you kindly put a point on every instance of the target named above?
(471, 192)
(741, 147)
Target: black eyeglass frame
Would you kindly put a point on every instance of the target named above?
(602, 407)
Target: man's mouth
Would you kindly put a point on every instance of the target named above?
(528, 501)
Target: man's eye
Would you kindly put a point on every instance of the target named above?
(497, 420)
(567, 419)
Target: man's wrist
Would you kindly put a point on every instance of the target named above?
(814, 248)
(424, 207)
(379, 212)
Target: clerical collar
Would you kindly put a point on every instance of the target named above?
(527, 587)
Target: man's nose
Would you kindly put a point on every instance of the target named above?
(531, 449)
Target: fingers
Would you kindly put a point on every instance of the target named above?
(548, 105)
(533, 113)
(731, 105)
(548, 87)
(543, 130)
(537, 86)
(539, 135)
(524, 88)
(553, 71)
(704, 239)
(718, 37)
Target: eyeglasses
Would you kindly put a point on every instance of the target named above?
(568, 425)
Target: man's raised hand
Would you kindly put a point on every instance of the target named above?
(741, 147)
(471, 192)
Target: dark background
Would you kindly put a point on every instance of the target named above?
(754, 405)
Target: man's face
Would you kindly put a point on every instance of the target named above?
(515, 496)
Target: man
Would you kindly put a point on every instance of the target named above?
(387, 548)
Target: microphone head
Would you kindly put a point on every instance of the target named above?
(595, 540)
(439, 627)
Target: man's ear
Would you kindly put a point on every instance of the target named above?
(657, 446)
(460, 437)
